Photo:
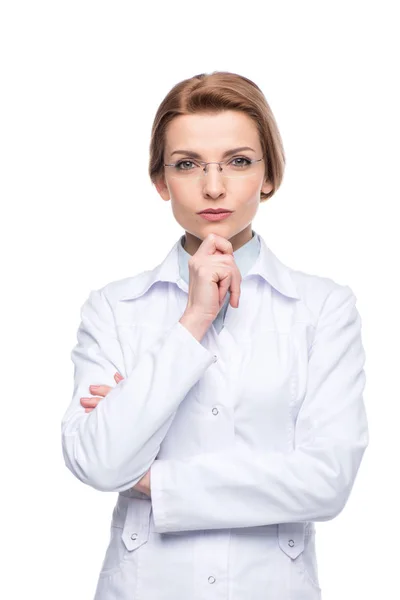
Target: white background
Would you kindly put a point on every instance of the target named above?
(81, 82)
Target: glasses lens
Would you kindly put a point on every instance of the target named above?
(239, 167)
(186, 169)
(234, 169)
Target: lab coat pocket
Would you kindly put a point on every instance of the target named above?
(297, 540)
(129, 530)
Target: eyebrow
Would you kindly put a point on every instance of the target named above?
(227, 153)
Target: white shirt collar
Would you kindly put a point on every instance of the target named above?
(255, 258)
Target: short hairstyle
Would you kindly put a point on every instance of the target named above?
(214, 92)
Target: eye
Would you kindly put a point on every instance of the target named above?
(186, 163)
(241, 164)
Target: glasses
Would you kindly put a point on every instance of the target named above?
(232, 169)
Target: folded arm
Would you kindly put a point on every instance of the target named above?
(112, 447)
(243, 488)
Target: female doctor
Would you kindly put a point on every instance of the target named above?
(221, 393)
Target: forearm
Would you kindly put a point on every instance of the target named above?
(112, 447)
(247, 489)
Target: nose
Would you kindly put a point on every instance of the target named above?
(213, 181)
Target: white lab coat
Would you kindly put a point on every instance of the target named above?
(252, 434)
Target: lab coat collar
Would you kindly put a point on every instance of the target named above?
(267, 265)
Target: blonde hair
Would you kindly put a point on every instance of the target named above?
(213, 92)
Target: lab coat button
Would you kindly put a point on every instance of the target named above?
(211, 579)
(134, 536)
(215, 358)
(291, 543)
(215, 411)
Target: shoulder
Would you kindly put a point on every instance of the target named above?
(319, 292)
(123, 288)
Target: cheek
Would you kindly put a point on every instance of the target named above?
(248, 189)
(181, 201)
(173, 188)
(182, 194)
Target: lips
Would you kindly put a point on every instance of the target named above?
(215, 216)
(214, 212)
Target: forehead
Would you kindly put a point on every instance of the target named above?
(212, 131)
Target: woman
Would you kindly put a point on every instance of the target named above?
(237, 418)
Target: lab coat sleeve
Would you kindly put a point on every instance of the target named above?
(239, 487)
(111, 448)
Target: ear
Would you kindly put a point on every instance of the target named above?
(267, 186)
(162, 188)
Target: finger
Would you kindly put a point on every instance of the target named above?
(235, 288)
(118, 377)
(219, 244)
(100, 390)
(223, 286)
(212, 243)
(90, 402)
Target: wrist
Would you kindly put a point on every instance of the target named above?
(196, 323)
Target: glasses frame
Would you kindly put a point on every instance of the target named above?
(202, 162)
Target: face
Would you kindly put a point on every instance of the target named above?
(210, 136)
